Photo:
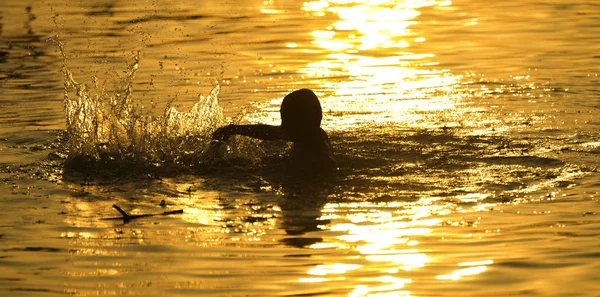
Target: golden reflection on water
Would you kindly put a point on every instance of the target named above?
(368, 63)
(472, 268)
(386, 241)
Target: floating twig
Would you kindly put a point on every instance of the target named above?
(127, 217)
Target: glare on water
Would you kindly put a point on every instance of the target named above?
(465, 135)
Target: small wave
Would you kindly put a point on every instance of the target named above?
(37, 249)
(156, 18)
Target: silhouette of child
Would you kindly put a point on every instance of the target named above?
(301, 116)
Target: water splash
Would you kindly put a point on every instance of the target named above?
(111, 126)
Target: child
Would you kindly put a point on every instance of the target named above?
(301, 116)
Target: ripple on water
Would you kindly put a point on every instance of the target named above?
(462, 172)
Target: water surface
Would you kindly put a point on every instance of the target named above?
(466, 137)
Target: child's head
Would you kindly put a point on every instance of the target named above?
(301, 114)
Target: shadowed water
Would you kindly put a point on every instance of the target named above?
(466, 137)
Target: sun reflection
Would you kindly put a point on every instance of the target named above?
(391, 288)
(472, 268)
(372, 63)
(336, 268)
(383, 241)
(369, 47)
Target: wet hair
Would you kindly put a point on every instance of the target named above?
(301, 114)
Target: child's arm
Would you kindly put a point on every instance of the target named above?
(260, 131)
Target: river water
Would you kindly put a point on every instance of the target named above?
(466, 137)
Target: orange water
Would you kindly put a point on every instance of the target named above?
(466, 135)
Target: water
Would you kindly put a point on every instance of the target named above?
(466, 136)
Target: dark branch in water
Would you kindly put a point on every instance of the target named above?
(127, 217)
